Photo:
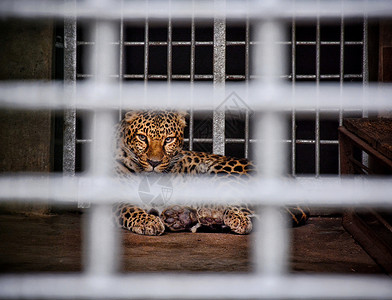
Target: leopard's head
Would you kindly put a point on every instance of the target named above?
(154, 138)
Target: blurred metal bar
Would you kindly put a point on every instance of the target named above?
(270, 155)
(100, 242)
(236, 10)
(100, 255)
(320, 192)
(47, 95)
(191, 286)
(271, 244)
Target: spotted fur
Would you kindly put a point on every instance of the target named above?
(152, 142)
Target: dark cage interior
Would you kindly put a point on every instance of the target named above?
(317, 56)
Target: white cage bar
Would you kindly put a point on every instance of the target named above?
(269, 96)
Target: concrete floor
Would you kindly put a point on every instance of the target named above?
(53, 244)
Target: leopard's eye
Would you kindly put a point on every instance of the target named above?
(169, 140)
(142, 137)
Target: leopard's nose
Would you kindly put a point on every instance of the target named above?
(154, 163)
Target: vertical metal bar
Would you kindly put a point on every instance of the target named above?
(101, 237)
(317, 122)
(341, 63)
(271, 238)
(272, 243)
(247, 79)
(146, 50)
(69, 143)
(100, 255)
(365, 61)
(69, 138)
(169, 60)
(169, 50)
(293, 112)
(219, 51)
(341, 79)
(192, 77)
(365, 76)
(219, 70)
(121, 60)
(247, 48)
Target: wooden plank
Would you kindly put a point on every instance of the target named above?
(363, 145)
(376, 132)
(373, 237)
(53, 244)
(346, 151)
(385, 52)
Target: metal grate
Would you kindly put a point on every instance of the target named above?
(316, 52)
(270, 97)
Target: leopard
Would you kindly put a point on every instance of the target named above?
(152, 143)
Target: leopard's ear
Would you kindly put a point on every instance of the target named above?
(181, 117)
(130, 115)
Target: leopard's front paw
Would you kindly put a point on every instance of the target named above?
(237, 220)
(137, 220)
(148, 225)
(178, 218)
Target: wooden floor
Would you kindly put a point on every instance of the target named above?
(53, 244)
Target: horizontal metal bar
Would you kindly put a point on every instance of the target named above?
(255, 96)
(174, 76)
(79, 75)
(83, 141)
(328, 76)
(180, 10)
(238, 141)
(85, 43)
(235, 43)
(228, 43)
(328, 192)
(327, 43)
(228, 77)
(322, 76)
(133, 43)
(235, 77)
(200, 140)
(133, 76)
(323, 142)
(194, 286)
